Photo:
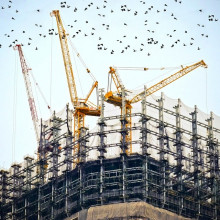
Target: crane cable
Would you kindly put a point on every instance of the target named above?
(155, 78)
(80, 58)
(51, 65)
(14, 108)
(146, 68)
(39, 89)
(36, 95)
(206, 77)
(80, 84)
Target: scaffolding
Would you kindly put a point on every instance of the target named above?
(176, 167)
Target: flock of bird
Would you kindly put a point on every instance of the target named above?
(99, 7)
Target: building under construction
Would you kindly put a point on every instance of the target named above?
(148, 157)
(174, 165)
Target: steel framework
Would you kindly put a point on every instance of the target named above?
(61, 188)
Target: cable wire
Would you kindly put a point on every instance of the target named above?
(14, 109)
(51, 65)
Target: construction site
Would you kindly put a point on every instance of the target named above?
(149, 157)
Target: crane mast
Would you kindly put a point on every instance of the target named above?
(66, 58)
(116, 99)
(33, 110)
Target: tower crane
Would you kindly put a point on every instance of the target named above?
(115, 98)
(26, 70)
(32, 106)
(82, 107)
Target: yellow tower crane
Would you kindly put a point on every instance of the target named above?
(115, 98)
(82, 107)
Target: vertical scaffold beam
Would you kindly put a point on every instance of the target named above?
(3, 185)
(28, 176)
(145, 153)
(39, 203)
(29, 170)
(163, 159)
(196, 170)
(42, 163)
(124, 147)
(102, 148)
(82, 159)
(179, 158)
(16, 187)
(4, 190)
(68, 159)
(213, 163)
(54, 161)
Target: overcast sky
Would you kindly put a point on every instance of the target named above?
(132, 33)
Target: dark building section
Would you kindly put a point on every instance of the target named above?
(77, 190)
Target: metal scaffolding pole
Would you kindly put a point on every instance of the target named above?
(124, 147)
(16, 188)
(39, 203)
(102, 147)
(163, 159)
(213, 161)
(144, 145)
(29, 170)
(41, 169)
(68, 153)
(82, 159)
(196, 167)
(55, 148)
(179, 158)
(4, 190)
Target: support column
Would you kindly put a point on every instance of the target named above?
(16, 187)
(124, 147)
(196, 170)
(163, 158)
(28, 164)
(39, 203)
(68, 159)
(82, 160)
(102, 148)
(54, 163)
(4, 190)
(42, 163)
(213, 163)
(179, 158)
(145, 153)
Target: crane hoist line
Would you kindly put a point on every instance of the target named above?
(116, 98)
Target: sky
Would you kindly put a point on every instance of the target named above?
(131, 33)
